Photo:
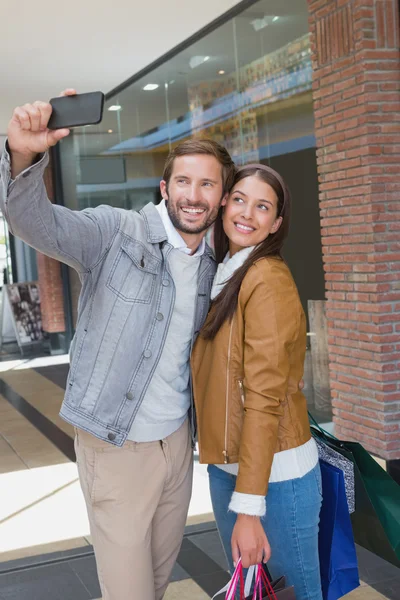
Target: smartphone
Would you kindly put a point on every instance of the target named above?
(76, 111)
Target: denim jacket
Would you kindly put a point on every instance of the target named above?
(126, 300)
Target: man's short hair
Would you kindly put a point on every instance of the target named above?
(204, 146)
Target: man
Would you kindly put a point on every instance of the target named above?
(146, 280)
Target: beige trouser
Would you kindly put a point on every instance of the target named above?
(137, 499)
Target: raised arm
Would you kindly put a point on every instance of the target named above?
(78, 238)
(29, 136)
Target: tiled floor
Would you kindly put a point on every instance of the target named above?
(45, 550)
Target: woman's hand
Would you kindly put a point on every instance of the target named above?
(249, 541)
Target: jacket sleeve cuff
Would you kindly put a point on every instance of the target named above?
(248, 504)
(39, 164)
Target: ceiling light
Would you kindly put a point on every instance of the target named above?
(115, 107)
(110, 131)
(221, 72)
(150, 87)
(259, 24)
(198, 60)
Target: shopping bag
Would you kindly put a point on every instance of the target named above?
(334, 458)
(263, 587)
(384, 494)
(376, 520)
(337, 551)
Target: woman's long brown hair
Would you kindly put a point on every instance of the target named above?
(224, 305)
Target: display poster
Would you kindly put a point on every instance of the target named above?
(21, 317)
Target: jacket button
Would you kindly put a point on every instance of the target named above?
(147, 353)
(129, 396)
(159, 316)
(111, 437)
(165, 282)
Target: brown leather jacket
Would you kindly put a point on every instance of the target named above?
(246, 380)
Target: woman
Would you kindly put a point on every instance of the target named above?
(252, 417)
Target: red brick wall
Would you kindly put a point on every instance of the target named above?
(356, 64)
(51, 290)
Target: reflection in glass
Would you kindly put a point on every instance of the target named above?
(246, 84)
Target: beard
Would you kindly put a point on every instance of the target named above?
(177, 218)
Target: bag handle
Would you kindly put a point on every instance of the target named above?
(263, 579)
(258, 573)
(249, 580)
(326, 433)
(253, 572)
(231, 587)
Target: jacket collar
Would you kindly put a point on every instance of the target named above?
(155, 230)
(209, 252)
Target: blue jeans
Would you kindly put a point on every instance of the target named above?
(291, 525)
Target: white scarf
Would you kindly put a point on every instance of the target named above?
(227, 268)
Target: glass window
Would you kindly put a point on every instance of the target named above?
(247, 84)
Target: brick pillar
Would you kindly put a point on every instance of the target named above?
(50, 282)
(356, 65)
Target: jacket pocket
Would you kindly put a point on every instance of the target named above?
(133, 274)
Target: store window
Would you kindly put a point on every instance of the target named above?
(247, 84)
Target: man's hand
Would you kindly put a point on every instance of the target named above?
(249, 541)
(28, 134)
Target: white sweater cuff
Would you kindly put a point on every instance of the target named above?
(248, 504)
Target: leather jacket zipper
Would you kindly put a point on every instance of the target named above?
(241, 390)
(225, 451)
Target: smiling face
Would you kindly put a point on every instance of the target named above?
(194, 192)
(250, 213)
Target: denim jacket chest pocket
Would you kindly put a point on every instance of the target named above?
(133, 273)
